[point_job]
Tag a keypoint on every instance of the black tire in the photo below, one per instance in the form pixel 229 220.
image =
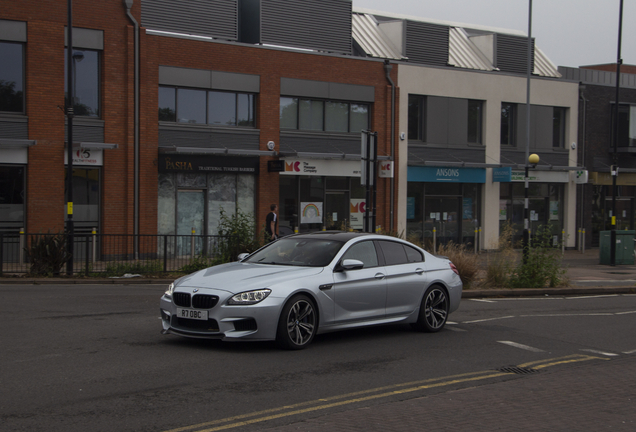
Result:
pixel 433 310
pixel 297 324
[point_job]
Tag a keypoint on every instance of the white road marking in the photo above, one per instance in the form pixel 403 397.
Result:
pixel 518 345
pixel 630 352
pixel 487 319
pixel 568 315
pixel 456 329
pixel 591 297
pixel 451 322
pixel 483 300
pixel 600 352
pixel 625 313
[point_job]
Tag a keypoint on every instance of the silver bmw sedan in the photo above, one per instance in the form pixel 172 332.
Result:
pixel 306 284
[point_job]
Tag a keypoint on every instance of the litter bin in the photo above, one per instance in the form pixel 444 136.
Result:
pixel 624 247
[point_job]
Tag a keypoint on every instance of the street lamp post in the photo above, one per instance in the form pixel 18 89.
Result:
pixel 533 160
pixel 69 144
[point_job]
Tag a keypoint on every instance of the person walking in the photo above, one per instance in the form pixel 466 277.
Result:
pixel 271 223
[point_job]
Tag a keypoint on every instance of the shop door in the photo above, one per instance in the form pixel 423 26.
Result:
pixel 337 211
pixel 190 216
pixel 624 213
pixel 443 214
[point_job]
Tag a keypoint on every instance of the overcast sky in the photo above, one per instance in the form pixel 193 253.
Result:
pixel 570 32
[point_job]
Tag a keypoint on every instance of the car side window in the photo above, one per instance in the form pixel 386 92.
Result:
pixel 363 251
pixel 394 253
pixel 413 255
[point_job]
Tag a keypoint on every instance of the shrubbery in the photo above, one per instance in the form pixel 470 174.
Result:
pixel 47 253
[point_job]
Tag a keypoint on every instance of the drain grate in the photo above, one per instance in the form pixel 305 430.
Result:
pixel 517 370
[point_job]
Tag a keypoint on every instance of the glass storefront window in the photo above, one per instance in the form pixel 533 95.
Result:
pixel 12 77
pixel 12 193
pixel 245 110
pixel 359 117
pixel 86 80
pixel 85 197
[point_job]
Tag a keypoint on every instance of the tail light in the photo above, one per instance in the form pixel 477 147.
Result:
pixel 453 268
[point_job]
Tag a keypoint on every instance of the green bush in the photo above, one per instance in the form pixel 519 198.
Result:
pixel 501 264
pixel 236 236
pixel 47 254
pixel 543 265
pixel 466 262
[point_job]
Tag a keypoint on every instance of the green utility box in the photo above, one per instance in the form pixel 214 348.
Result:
pixel 624 247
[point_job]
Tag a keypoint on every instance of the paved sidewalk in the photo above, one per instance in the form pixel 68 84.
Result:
pixel 595 396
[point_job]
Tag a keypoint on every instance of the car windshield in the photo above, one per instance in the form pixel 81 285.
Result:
pixel 297 252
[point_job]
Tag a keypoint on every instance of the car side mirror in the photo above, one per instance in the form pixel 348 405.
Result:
pixel 242 256
pixel 351 264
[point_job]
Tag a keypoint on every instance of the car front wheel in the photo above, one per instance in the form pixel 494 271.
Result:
pixel 433 310
pixel 297 324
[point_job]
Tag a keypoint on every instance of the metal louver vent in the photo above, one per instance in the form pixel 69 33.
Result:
pixel 512 54
pixel 427 43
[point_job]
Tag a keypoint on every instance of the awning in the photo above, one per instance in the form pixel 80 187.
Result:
pixel 220 151
pixel 16 143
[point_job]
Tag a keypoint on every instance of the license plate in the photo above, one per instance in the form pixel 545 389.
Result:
pixel 192 314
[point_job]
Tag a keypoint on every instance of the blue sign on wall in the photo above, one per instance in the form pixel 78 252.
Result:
pixel 503 174
pixel 446 174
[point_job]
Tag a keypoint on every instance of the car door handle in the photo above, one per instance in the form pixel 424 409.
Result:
pixel 379 276
pixel 419 271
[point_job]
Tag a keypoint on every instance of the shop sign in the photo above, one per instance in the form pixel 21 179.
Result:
pixel 501 174
pixel 386 169
pixel 535 176
pixel 446 174
pixel 206 163
pixel 275 166
pixel 321 167
pixel 623 179
pixel 357 211
pixel 86 157
pixel 580 177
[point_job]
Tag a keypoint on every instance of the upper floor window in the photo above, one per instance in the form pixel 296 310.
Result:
pixel 12 77
pixel 558 127
pixel 475 109
pixel 196 106
pixel 319 115
pixel 417 118
pixel 86 82
pixel 508 123
pixel 626 125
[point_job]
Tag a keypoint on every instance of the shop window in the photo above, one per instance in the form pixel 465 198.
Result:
pixel 475 109
pixel 626 126
pixel 11 196
pixel 508 122
pixel 417 118
pixel 85 197
pixel 198 106
pixel 12 77
pixel 86 82
pixel 318 115
pixel 558 128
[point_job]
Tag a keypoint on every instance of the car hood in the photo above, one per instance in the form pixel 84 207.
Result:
pixel 238 277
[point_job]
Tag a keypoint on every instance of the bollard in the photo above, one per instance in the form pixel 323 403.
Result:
pixel 563 241
pixel 94 245
pixel 583 242
pixel 579 248
pixel 295 230
pixel 192 243
pixel 434 240
pixel 475 240
pixel 21 251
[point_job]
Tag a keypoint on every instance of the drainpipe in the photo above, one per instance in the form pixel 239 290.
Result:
pixel 582 144
pixel 387 69
pixel 129 5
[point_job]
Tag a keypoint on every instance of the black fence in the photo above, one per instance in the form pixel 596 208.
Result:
pixel 111 255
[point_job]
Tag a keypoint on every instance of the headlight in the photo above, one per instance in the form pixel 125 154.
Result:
pixel 170 290
pixel 249 297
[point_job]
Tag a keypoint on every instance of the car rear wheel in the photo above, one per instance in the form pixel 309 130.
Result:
pixel 297 324
pixel 433 310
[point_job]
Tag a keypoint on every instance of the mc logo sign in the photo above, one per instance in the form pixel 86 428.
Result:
pixel 293 166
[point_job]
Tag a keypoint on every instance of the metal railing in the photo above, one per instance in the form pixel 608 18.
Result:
pixel 111 254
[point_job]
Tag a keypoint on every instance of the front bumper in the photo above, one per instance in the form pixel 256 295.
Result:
pixel 252 322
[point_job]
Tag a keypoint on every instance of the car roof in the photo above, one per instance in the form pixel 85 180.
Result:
pixel 342 236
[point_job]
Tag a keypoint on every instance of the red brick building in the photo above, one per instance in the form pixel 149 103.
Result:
pixel 224 96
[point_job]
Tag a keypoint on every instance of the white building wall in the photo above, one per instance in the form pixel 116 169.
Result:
pixel 493 88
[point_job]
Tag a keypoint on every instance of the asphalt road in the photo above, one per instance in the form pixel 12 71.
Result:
pixel 77 358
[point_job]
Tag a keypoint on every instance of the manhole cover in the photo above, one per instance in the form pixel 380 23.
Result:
pixel 517 370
